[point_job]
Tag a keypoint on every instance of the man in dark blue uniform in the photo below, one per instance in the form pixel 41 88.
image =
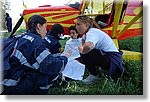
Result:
pixel 8 20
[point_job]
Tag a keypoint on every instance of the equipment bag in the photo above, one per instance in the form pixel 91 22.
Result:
pixel 7 50
pixel 8 45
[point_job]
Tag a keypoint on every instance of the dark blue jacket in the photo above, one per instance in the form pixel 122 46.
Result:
pixel 52 44
pixel 33 67
pixel 9 23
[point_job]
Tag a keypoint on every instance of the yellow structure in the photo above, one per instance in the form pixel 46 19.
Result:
pixel 130 55
pixel 127 55
pixel 131 23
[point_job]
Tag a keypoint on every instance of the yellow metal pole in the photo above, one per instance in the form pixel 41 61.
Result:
pixel 85 4
pixel 118 9
pixel 103 6
pixel 129 24
pixel 83 7
pixel 92 7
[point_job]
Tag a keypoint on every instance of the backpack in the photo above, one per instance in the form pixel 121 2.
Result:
pixel 7 50
pixel 8 46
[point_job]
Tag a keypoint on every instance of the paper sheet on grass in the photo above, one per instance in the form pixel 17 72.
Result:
pixel 74 70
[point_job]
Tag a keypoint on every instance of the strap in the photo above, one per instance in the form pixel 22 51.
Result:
pixel 16 27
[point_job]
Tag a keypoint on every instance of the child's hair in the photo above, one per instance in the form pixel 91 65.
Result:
pixel 74 28
pixel 33 21
pixel 91 22
pixel 55 30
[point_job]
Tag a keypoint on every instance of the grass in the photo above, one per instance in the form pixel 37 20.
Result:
pixel 19 31
pixel 130 84
pixel 132 44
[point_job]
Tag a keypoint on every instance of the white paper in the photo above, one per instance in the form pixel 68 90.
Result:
pixel 73 44
pixel 74 70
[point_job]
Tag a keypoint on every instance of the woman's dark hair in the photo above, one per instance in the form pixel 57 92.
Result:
pixel 33 21
pixel 55 30
pixel 74 28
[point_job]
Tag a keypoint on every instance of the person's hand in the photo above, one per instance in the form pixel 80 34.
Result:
pixel 68 53
pixel 83 41
pixel 80 48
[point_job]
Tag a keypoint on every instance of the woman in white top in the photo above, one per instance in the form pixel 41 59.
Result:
pixel 74 69
pixel 98 49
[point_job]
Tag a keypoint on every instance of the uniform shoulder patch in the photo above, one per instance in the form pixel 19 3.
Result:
pixel 30 38
pixel 46 38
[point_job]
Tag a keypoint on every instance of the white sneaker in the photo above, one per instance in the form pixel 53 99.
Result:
pixel 90 79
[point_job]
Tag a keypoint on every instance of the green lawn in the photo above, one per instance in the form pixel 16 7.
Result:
pixel 131 84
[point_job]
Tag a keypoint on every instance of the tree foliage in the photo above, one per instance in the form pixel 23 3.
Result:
pixel 5 7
